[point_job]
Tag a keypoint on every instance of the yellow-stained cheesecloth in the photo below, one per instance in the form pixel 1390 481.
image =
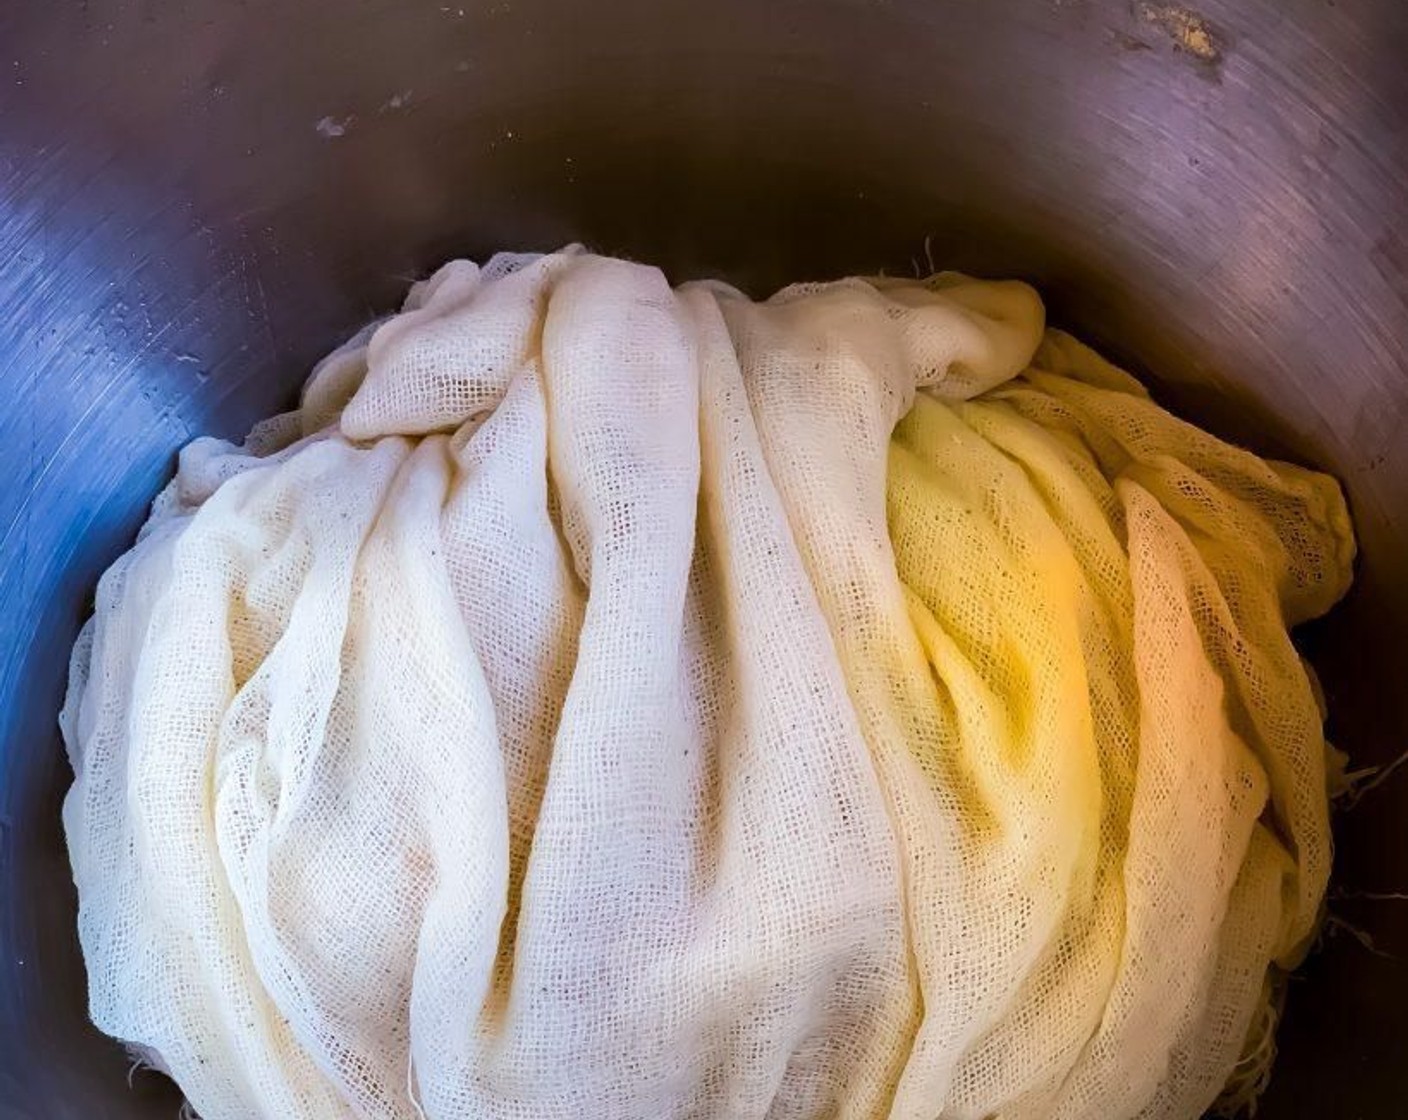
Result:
pixel 602 701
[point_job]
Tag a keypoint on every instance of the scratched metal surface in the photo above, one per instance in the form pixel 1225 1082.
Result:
pixel 198 198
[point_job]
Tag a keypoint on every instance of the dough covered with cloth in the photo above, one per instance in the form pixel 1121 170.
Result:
pixel 604 700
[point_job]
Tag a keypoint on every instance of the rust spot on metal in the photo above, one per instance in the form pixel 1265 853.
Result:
pixel 1189 31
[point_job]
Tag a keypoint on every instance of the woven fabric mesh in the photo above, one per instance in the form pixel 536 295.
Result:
pixel 599 699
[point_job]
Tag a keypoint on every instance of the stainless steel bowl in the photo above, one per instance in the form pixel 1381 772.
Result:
pixel 199 198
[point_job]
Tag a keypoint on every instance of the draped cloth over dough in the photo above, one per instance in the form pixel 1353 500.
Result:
pixel 599 700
